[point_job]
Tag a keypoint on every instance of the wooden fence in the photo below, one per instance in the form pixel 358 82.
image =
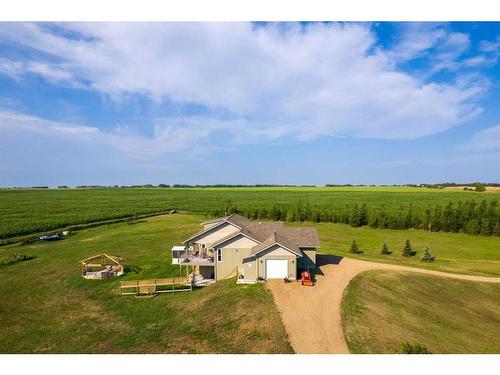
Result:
pixel 155 286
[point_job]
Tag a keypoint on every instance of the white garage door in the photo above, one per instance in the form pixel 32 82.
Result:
pixel 276 268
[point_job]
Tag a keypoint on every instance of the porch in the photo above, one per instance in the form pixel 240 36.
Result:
pixel 192 255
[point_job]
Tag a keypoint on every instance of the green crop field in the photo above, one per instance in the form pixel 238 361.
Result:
pixel 47 307
pixel 382 310
pixel 25 211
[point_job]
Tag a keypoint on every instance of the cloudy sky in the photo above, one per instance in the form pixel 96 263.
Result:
pixel 204 103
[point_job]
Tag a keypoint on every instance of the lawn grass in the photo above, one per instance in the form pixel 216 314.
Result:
pixel 47 307
pixel 26 211
pixel 381 310
pixel 454 252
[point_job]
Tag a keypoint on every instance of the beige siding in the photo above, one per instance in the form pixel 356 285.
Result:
pixel 215 234
pixel 209 225
pixel 233 252
pixel 238 242
pixel 308 260
pixel 231 258
pixel 250 270
pixel 277 252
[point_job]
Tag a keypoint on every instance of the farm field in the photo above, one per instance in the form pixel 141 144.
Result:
pixel 47 307
pixel 26 211
pixel 382 310
pixel 454 252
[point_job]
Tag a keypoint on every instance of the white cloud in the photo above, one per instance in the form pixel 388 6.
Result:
pixel 486 139
pixel 193 135
pixel 490 46
pixel 431 41
pixel 277 83
pixel 169 136
pixel 17 69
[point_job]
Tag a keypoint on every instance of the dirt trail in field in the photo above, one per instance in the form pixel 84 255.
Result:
pixel 311 315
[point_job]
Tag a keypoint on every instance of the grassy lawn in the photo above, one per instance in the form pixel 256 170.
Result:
pixel 455 252
pixel 381 310
pixel 47 307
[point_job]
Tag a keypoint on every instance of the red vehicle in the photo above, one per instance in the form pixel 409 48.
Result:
pixel 306 278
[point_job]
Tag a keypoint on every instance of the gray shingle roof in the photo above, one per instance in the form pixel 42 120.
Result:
pixel 292 238
pixel 268 233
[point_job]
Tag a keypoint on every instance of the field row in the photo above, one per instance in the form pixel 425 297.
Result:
pixel 32 211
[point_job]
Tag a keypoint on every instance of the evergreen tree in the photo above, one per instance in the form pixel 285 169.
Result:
pixel 485 228
pixel 363 215
pixel 273 212
pixel 436 218
pixel 316 215
pixel 354 248
pixel 355 220
pixel 427 255
pixel 400 219
pixel 410 218
pixel 428 219
pixel 385 249
pixel 472 227
pixel 373 221
pixel 496 231
pixel 447 218
pixel 382 218
pixel 459 217
pixel 407 250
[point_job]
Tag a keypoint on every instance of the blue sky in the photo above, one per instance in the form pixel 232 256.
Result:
pixel 205 103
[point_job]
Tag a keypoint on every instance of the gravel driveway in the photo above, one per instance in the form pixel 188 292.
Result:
pixel 311 315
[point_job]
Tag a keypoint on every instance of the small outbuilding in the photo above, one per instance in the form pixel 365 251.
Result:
pixel 101 266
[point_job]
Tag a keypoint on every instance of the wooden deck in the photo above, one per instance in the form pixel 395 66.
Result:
pixel 155 286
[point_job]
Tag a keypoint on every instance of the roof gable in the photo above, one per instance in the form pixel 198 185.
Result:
pixel 231 237
pixel 212 228
pixel 265 233
pixel 276 239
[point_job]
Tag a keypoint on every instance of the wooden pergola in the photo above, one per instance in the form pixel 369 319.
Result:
pixel 101 266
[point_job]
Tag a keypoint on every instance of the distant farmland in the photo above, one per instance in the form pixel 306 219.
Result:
pixel 25 211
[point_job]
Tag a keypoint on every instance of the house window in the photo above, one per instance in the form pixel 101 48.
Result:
pixel 219 255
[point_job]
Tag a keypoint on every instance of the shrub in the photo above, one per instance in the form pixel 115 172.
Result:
pixel 407 250
pixel 427 255
pixel 15 258
pixel 407 348
pixel 354 248
pixel 385 250
pixel 480 187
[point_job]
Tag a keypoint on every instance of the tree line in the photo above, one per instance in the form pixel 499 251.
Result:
pixel 469 216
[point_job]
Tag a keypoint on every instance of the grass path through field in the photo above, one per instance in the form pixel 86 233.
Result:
pixel 312 315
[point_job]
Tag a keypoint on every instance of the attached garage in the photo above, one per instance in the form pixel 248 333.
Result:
pixel 276 268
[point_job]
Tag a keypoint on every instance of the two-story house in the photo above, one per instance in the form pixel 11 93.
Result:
pixel 251 249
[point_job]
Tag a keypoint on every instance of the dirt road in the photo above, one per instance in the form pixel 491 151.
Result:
pixel 311 315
